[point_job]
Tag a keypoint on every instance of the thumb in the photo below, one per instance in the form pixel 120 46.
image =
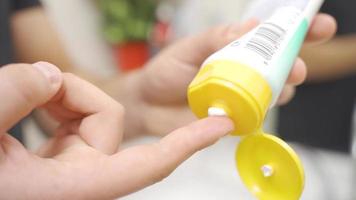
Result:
pixel 24 87
pixel 198 47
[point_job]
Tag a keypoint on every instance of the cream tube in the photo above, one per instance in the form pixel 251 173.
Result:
pixel 243 80
pixel 254 68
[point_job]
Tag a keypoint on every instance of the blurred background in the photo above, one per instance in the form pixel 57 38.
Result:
pixel 115 36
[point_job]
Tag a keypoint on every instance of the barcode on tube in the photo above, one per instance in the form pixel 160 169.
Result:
pixel 266 40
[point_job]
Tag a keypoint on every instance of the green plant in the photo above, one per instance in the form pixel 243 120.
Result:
pixel 127 20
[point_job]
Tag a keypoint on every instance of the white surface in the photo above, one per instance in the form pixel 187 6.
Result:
pixel 354 132
pixel 78 23
pixel 211 175
pixel 195 15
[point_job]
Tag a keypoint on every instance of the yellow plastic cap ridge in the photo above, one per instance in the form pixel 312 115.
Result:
pixel 236 88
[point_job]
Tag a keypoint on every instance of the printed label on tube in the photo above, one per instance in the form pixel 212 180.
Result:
pixel 263 47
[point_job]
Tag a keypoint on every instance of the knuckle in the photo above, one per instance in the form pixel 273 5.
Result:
pixel 165 168
pixel 69 75
pixel 117 113
pixel 118 109
pixel 161 175
pixel 159 162
pixel 224 30
pixel 220 28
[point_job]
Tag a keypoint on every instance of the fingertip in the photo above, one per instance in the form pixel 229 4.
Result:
pixel 250 23
pixel 286 95
pixel 239 29
pixel 198 135
pixel 219 124
pixel 323 28
pixel 206 132
pixel 26 87
pixel 298 74
pixel 53 75
pixel 50 72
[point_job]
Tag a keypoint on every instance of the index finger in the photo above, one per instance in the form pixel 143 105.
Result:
pixel 141 166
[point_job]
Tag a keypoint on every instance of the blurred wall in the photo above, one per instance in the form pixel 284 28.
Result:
pixel 195 15
pixel 78 24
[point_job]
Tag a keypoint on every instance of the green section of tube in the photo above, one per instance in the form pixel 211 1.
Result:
pixel 287 59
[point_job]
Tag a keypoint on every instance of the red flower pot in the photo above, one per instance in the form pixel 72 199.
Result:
pixel 131 55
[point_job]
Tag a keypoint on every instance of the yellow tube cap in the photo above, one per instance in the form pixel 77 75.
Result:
pixel 269 168
pixel 237 89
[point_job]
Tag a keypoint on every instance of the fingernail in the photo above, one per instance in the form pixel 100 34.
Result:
pixel 50 71
pixel 225 125
pixel 230 127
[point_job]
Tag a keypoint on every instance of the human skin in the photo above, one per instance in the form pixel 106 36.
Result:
pixel 331 61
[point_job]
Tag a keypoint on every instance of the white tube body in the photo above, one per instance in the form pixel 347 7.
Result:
pixel 272 47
